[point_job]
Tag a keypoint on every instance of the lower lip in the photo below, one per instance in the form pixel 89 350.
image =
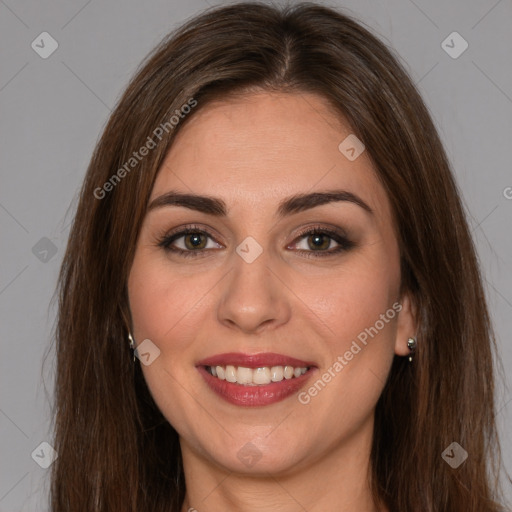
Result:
pixel 267 394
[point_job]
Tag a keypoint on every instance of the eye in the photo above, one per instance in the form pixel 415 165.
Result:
pixel 190 241
pixel 193 241
pixel 318 242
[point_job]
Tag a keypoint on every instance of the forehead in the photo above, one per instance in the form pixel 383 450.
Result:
pixel 257 149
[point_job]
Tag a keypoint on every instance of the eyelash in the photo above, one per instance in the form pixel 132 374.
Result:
pixel 343 243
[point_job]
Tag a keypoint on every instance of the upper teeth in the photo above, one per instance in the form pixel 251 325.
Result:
pixel 253 377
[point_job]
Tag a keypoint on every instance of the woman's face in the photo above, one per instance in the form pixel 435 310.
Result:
pixel 315 282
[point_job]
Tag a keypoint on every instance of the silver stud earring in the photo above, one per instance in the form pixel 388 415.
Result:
pixel 132 345
pixel 411 344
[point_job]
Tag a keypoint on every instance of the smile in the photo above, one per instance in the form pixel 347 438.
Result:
pixel 255 379
pixel 257 376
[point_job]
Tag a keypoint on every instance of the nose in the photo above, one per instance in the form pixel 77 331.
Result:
pixel 254 297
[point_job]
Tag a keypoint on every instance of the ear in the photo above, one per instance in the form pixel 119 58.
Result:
pixel 406 325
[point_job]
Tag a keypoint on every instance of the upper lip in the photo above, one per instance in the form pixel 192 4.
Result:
pixel 254 360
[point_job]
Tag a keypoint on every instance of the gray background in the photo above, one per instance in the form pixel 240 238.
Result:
pixel 52 112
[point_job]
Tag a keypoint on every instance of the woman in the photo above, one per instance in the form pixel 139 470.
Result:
pixel 270 221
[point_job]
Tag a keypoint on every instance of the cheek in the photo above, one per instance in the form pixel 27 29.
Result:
pixel 361 312
pixel 160 300
pixel 360 309
pixel 353 298
pixel 164 309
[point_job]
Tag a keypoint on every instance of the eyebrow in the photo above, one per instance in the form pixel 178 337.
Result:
pixel 294 204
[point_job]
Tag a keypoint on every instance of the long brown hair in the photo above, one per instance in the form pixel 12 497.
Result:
pixel 116 451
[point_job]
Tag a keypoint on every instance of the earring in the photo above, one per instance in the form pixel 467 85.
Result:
pixel 132 345
pixel 411 344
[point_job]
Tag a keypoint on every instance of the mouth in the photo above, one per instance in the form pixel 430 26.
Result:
pixel 255 380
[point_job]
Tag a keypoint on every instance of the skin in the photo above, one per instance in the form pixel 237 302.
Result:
pixel 253 152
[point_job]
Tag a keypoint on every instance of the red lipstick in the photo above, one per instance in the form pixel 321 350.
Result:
pixel 254 360
pixel 255 395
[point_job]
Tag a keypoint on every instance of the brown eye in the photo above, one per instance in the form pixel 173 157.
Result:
pixel 319 241
pixel 189 242
pixel 316 242
pixel 195 241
